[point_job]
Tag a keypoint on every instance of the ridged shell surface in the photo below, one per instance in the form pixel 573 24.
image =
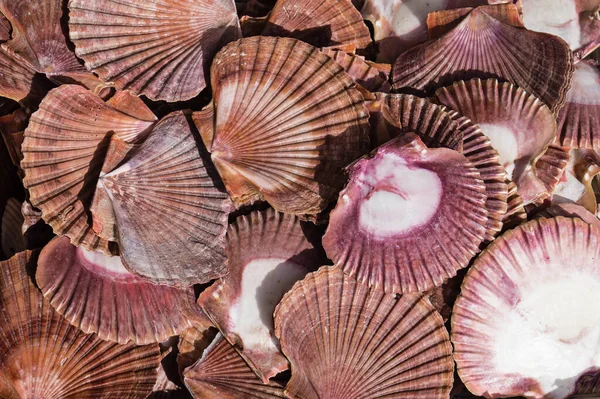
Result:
pixel 11 239
pixel 371 76
pixel 347 341
pixel 288 119
pixel 17 81
pixel 158 48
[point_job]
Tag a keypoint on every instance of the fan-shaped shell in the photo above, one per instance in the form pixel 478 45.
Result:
pixel 551 166
pixel 267 252
pixel 345 340
pixel 77 283
pixel 515 212
pixel 19 81
pixel 287 120
pixel 519 126
pixel 483 47
pixel 409 218
pixel 222 374
pixel 64 149
pixel 11 238
pixel 43 356
pixel 169 187
pixel 371 76
pixel 158 48
pixel 192 343
pixel 579 119
pixel 322 23
pixel 532 296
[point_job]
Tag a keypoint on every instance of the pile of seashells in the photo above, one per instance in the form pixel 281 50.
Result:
pixel 312 199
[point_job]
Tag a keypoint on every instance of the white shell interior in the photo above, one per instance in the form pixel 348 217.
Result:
pixel 569 190
pixel 504 141
pixel 585 86
pixel 396 197
pixel 97 261
pixel 557 17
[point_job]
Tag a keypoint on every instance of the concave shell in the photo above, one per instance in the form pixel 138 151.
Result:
pixel 401 24
pixel 551 166
pixel 222 374
pixel 18 80
pixel 515 212
pixel 570 211
pixel 267 252
pixel 38 38
pixel 12 128
pixel 575 21
pixel 43 356
pixel 287 120
pixel 530 298
pixel 168 186
pixel 192 343
pixel 409 218
pixel 576 183
pixel 5 28
pixel 96 294
pixel 345 340
pixel 373 77
pixel 321 23
pixel 64 148
pixel 579 119
pixel 519 126
pixel 159 48
pixel 483 47
pixel 12 239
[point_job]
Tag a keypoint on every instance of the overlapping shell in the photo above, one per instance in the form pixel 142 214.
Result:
pixel 12 239
pixel 19 81
pixel 345 340
pixel 267 252
pixel 168 186
pixel 373 77
pixel 64 149
pixel 158 48
pixel 409 218
pixel 287 120
pixel 480 46
pixel 42 355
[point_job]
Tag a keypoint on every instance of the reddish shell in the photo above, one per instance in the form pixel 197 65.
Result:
pixel 373 77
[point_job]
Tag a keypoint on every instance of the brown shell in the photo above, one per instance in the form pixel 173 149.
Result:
pixel 287 120
pixel 192 343
pixel 579 119
pixel 169 187
pixel 285 246
pixel 347 341
pixel 18 80
pixel 418 257
pixel 12 239
pixel 482 47
pixel 222 374
pixel 43 356
pixel 515 213
pixel 63 150
pixel 77 283
pixel 162 50
pixel 321 23
pixel 12 128
pixel 5 28
pixel 373 77
pixel 514 111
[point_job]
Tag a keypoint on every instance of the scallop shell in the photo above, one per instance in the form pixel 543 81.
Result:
pixel 321 23
pixel 43 356
pixel 38 38
pixel 169 187
pixel 519 126
pixel 366 73
pixel 482 47
pixel 19 81
pixel 192 343
pixel 579 119
pixel 390 247
pixel 264 249
pixel 345 340
pixel 531 296
pixel 576 183
pixel 5 28
pixel 570 211
pixel 159 48
pixel 551 166
pixel 63 153
pixel 287 120
pixel 77 282
pixel 222 374
pixel 11 238
pixel 31 216
pixel 12 128
pixel 515 212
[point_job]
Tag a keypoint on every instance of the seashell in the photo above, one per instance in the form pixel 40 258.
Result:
pixel 551 166
pixel 11 238
pixel 519 126
pixel 587 386
pixel 287 120
pixel 76 283
pixel 5 28
pixel 579 119
pixel 192 343
pixel 31 215
pixel 373 77
pixel 570 211
pixel 168 185
pixel 515 212
pixel 11 130
pixel 38 38
pixel 409 218
pixel 321 23
pixel 63 150
pixel 575 21
pixel 43 356
pixel 483 47
pixel 18 80
pixel 576 182
pixel 267 252
pixel 222 374
pixel 161 49
pixel 345 340
pixel 401 24
pixel 531 296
